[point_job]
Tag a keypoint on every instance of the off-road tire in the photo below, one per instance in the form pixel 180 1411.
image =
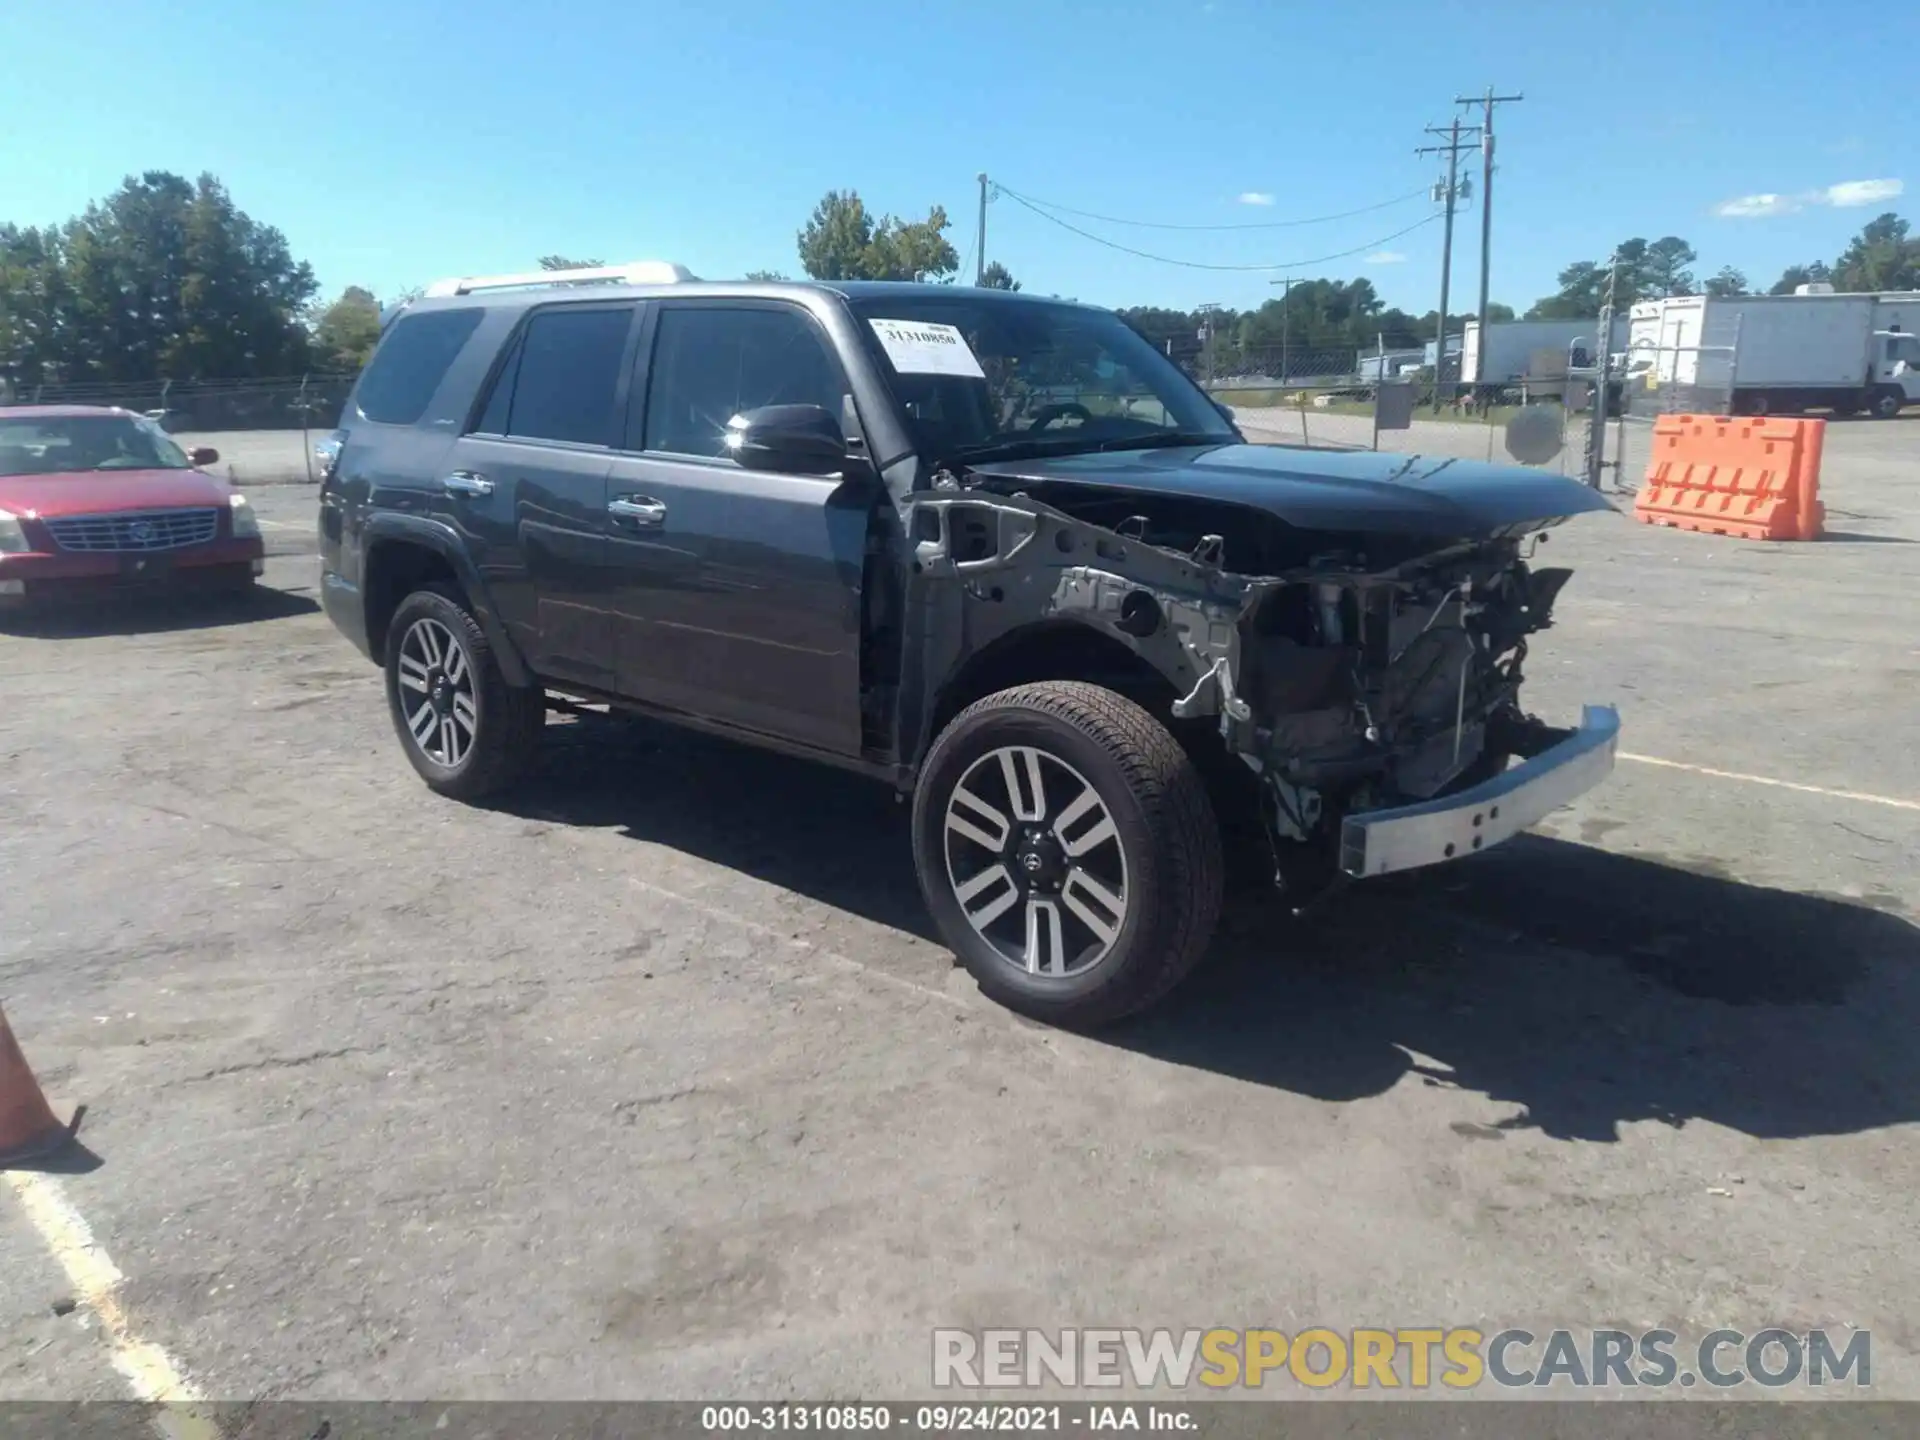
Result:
pixel 509 718
pixel 1167 831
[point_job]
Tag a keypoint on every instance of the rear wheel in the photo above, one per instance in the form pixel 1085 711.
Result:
pixel 465 729
pixel 1068 852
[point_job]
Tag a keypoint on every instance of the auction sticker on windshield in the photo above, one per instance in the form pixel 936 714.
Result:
pixel 920 347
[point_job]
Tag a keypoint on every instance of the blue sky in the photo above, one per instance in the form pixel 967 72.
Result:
pixel 400 141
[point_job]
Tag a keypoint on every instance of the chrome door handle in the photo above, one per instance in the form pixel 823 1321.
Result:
pixel 638 509
pixel 465 482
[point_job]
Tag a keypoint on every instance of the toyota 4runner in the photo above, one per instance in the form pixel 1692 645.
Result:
pixel 994 550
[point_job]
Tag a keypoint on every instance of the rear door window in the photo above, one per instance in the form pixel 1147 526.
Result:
pixel 562 383
pixel 410 364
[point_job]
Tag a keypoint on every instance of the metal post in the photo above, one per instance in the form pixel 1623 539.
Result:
pixel 1733 360
pixel 980 265
pixel 1603 345
pixel 1379 382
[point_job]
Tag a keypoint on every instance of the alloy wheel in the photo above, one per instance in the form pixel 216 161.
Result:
pixel 437 699
pixel 1035 861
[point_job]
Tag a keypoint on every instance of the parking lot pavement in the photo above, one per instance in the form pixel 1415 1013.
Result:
pixel 653 1081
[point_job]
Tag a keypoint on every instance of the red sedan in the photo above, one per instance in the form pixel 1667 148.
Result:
pixel 95 501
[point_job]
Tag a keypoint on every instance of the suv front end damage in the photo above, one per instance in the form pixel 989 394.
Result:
pixel 1366 682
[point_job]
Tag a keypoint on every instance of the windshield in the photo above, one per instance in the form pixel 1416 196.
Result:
pixel 1052 378
pixel 65 444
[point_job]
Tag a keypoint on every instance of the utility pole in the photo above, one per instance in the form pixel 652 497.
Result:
pixel 980 265
pixel 1207 327
pixel 1286 318
pixel 1451 185
pixel 1486 102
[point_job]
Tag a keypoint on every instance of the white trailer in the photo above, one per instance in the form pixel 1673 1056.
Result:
pixel 1774 354
pixel 1505 354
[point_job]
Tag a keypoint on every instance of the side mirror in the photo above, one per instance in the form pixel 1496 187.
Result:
pixel 202 456
pixel 800 439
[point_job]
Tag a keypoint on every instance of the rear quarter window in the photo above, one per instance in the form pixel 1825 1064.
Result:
pixel 410 364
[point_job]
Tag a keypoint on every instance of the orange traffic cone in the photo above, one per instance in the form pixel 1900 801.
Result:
pixel 29 1130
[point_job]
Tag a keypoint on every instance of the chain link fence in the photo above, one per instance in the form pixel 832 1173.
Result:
pixel 261 427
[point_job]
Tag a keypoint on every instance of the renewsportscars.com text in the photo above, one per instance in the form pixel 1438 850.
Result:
pixel 1397 1359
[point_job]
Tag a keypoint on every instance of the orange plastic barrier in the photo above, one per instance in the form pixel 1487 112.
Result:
pixel 1756 478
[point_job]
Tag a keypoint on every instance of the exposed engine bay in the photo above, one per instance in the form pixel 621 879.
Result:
pixel 1345 671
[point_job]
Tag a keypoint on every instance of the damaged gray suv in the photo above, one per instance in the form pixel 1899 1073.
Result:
pixel 993 550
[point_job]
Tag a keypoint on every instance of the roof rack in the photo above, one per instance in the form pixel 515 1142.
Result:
pixel 634 272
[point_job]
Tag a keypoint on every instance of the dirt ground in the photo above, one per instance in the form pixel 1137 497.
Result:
pixel 653 1081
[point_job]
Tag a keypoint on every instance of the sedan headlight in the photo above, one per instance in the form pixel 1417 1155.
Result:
pixel 245 525
pixel 13 540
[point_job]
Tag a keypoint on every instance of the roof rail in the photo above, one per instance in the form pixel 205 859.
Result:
pixel 634 272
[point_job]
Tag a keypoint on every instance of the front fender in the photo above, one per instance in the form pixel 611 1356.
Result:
pixel 385 529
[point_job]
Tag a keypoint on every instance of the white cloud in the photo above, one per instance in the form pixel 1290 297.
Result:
pixel 1846 194
pixel 1386 257
pixel 1255 197
pixel 1751 207
pixel 1863 192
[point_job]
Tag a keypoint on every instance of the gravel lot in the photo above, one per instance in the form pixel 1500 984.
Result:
pixel 654 1082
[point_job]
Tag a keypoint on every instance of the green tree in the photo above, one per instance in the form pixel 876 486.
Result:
pixel 1726 283
pixel 171 279
pixel 1883 256
pixel 765 276
pixel 997 277
pixel 346 331
pixel 1665 270
pixel 842 240
pixel 1794 276
pixel 561 262
pixel 1173 332
pixel 1641 271
pixel 35 307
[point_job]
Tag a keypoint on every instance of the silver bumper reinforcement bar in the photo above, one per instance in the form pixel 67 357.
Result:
pixel 1379 842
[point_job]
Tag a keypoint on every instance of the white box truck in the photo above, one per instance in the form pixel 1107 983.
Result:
pixel 1776 354
pixel 1505 355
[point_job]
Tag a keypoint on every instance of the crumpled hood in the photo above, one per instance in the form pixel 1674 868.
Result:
pixel 1342 490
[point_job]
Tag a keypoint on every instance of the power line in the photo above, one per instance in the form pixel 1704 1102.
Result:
pixel 1019 199
pixel 1030 201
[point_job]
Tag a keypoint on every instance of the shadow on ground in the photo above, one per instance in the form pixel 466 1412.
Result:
pixel 1585 987
pixel 155 615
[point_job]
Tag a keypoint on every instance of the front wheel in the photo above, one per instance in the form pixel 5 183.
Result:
pixel 465 729
pixel 1887 404
pixel 1067 849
